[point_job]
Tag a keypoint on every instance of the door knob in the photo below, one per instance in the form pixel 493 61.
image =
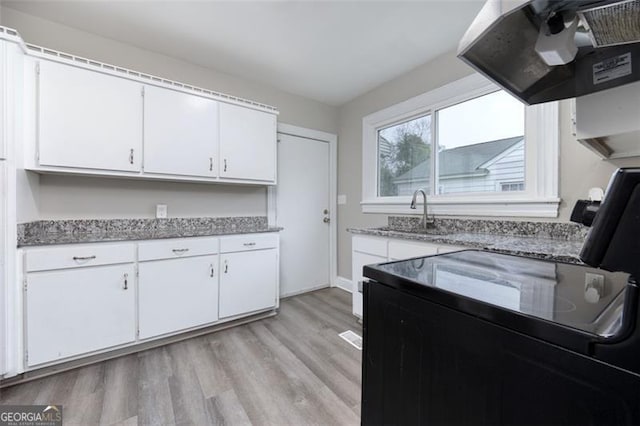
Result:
pixel 326 220
pixel 325 211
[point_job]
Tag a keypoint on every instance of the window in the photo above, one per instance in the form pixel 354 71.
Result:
pixel 470 145
pixel 480 142
pixel 404 156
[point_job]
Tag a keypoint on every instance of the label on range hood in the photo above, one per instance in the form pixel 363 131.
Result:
pixel 612 68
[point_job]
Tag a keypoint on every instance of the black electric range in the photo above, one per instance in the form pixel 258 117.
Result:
pixel 570 305
pixel 475 337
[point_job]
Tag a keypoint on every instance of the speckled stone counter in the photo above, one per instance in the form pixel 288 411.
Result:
pixel 544 240
pixel 48 232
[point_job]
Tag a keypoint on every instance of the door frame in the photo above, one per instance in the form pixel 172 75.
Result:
pixel 272 191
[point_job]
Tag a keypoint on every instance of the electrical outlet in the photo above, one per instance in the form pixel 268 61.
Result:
pixel 595 280
pixel 161 211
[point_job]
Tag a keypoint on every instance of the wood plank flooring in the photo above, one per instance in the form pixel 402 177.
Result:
pixel 291 369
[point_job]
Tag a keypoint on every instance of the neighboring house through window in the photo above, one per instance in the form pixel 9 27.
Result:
pixel 479 167
pixel 485 162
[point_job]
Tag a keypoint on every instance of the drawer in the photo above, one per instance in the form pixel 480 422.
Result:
pixel 370 245
pixel 78 256
pixel 248 242
pixel 405 250
pixel 177 247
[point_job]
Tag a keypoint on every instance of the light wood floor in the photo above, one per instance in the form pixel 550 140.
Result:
pixel 289 369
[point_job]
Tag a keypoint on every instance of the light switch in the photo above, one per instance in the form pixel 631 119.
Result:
pixel 342 199
pixel 161 211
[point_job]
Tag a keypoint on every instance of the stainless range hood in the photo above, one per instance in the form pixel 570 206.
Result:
pixel 546 50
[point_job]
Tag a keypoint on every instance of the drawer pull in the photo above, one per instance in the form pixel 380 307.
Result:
pixel 211 271
pixel 81 258
pixel 249 244
pixel 131 156
pixel 225 164
pixel 180 251
pixel 210 164
pixel 226 267
pixel 126 281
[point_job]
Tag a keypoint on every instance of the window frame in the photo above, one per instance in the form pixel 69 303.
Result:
pixel 540 197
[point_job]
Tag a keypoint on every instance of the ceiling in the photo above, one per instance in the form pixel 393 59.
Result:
pixel 329 51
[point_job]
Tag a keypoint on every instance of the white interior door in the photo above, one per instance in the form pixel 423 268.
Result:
pixel 303 211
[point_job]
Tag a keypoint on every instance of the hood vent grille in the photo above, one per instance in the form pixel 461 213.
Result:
pixel 614 24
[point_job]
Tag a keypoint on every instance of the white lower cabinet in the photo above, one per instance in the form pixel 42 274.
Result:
pixel 368 250
pixel 176 294
pixel 359 260
pixel 85 298
pixel 249 274
pixel 80 310
pixel 248 281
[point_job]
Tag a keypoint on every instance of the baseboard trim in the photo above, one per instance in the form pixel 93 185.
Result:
pixel 306 290
pixel 344 284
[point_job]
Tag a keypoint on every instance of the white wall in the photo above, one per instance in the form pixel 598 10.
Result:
pixel 92 197
pixel 580 169
pixel 55 197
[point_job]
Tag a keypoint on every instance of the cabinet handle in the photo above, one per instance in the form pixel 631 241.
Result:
pixel 249 244
pixel 79 258
pixel 131 156
pixel 126 281
pixel 226 267
pixel 225 164
pixel 210 164
pixel 182 250
pixel 211 271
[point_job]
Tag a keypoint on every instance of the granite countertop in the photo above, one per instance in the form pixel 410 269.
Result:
pixel 51 232
pixel 543 240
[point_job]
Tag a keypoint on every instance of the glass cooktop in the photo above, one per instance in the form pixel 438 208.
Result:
pixel 577 296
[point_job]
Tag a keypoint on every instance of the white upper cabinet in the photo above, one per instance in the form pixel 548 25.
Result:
pixel 110 123
pixel 180 133
pixel 87 119
pixel 247 144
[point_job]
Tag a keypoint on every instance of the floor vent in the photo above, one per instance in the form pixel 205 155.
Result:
pixel 352 338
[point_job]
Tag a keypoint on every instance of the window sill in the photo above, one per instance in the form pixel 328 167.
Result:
pixel 487 206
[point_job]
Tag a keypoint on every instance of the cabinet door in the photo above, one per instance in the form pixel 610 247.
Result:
pixel 358 260
pixel 180 133
pixel 248 281
pixel 87 119
pixel 247 143
pixel 177 294
pixel 76 311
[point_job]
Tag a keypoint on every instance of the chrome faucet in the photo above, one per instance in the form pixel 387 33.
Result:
pixel 426 220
